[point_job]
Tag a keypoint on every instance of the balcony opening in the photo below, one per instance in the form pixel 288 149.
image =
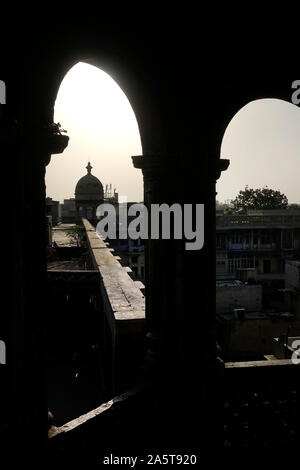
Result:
pixel 95 167
pixel 258 283
pixel 257 235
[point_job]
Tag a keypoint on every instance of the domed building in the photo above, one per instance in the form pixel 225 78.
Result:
pixel 88 195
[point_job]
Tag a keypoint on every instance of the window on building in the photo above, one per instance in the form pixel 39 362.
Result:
pixel 267 266
pixel 221 242
pixel 265 238
pixel 247 237
pixel 287 239
pixel 236 238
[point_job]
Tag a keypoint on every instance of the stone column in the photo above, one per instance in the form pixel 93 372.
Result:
pixel 180 298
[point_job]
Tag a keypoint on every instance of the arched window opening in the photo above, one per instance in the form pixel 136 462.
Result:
pixel 95 167
pixel 258 231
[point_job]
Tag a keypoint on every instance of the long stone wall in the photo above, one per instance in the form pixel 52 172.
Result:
pixel 123 306
pixel 230 297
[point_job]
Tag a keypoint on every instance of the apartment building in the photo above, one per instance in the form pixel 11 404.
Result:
pixel 255 246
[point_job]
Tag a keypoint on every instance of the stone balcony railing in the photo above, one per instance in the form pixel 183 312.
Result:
pixel 261 405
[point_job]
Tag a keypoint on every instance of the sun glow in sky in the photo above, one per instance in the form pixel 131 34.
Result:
pixel 102 128
pixel 262 141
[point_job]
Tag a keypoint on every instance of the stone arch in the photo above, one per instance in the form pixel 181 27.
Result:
pixel 234 95
pixel 246 259
pixel 149 80
pixel 284 107
pixel 139 99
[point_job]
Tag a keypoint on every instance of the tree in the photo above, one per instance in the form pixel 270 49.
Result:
pixel 293 206
pixel 76 234
pixel 261 198
pixel 222 205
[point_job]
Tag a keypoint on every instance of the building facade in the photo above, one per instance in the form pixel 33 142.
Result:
pixel 52 209
pixel 131 252
pixel 68 211
pixel 257 244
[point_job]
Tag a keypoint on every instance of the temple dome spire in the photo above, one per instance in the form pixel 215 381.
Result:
pixel 89 168
pixel 89 188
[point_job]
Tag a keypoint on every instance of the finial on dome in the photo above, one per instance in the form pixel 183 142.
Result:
pixel 89 168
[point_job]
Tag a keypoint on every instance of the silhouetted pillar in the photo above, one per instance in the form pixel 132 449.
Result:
pixel 180 301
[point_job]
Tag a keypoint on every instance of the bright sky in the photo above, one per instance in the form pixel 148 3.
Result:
pixel 262 141
pixel 102 128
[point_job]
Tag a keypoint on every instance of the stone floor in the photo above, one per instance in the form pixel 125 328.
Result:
pixel 75 385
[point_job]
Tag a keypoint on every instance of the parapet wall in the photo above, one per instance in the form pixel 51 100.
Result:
pixel 125 302
pixel 123 307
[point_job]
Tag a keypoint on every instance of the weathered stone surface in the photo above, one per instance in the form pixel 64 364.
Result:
pixel 123 298
pixel 75 423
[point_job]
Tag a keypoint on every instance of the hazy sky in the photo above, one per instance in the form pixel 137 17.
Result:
pixel 262 141
pixel 103 130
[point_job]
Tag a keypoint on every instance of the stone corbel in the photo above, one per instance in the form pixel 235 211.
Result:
pixel 222 164
pixel 53 142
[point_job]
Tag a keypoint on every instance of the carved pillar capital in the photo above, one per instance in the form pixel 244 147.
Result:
pixel 154 166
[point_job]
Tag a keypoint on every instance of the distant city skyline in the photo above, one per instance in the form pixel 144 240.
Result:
pixel 262 141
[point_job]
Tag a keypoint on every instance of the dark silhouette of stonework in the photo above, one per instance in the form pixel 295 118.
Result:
pixel 181 384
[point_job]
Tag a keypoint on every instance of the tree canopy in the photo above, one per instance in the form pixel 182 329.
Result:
pixel 261 198
pixel 293 206
pixel 222 205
